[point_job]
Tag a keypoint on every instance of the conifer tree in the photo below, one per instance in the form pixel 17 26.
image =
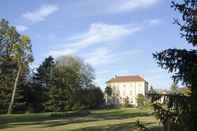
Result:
pixel 180 114
pixel 42 82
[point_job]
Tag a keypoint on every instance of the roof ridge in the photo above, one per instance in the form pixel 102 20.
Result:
pixel 126 78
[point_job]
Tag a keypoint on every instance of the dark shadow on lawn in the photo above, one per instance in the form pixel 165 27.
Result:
pixel 120 115
pixel 9 121
pixel 39 117
pixel 118 127
pixel 157 128
pixel 3 126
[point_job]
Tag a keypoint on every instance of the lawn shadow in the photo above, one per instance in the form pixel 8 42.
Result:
pixel 11 121
pixel 113 115
pixel 120 115
pixel 130 126
pixel 117 127
pixel 157 128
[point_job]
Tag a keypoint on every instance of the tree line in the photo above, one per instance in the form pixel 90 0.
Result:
pixel 61 84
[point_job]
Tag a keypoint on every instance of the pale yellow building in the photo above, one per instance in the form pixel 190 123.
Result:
pixel 127 88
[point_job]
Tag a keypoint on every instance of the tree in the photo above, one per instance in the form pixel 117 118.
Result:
pixel 20 104
pixel 91 97
pixel 22 54
pixel 15 54
pixel 181 111
pixel 108 92
pixel 6 82
pixel 72 77
pixel 152 90
pixel 43 80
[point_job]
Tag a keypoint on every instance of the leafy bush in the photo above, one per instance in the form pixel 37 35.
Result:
pixel 126 102
pixel 141 100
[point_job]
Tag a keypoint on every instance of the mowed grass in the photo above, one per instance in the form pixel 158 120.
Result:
pixel 123 119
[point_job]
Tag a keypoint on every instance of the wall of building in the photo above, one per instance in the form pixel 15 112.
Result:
pixel 127 90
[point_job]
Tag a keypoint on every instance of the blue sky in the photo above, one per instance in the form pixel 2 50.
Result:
pixel 114 36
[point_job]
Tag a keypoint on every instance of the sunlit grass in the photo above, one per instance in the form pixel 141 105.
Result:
pixel 123 119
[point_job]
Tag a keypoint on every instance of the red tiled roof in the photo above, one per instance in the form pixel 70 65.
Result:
pixel 126 79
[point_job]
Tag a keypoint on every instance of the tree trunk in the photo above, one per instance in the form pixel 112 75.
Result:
pixel 14 90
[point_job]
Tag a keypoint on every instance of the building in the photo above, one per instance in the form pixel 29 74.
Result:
pixel 126 89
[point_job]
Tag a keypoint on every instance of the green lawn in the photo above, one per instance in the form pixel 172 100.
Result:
pixel 97 120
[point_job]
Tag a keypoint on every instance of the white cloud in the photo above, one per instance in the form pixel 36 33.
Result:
pixel 98 33
pixel 99 56
pixel 105 56
pixel 41 13
pixel 129 5
pixel 21 28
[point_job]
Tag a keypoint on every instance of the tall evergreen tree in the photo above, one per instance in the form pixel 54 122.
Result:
pixel 42 82
pixel 181 111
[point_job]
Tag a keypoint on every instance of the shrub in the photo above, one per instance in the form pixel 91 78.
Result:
pixel 141 100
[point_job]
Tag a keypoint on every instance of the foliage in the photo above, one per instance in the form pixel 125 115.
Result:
pixel 108 91
pixel 108 95
pixel 140 100
pixel 126 102
pixel 6 82
pixel 66 83
pixel 180 111
pixel 174 112
pixel 152 90
pixel 92 98
pixel 40 86
pixel 63 94
pixel 173 88
pixel 15 55
pixel 185 91
pixel 73 78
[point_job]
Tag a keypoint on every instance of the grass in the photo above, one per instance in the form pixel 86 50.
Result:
pixel 123 119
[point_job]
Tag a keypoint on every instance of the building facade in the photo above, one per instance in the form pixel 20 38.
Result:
pixel 125 89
